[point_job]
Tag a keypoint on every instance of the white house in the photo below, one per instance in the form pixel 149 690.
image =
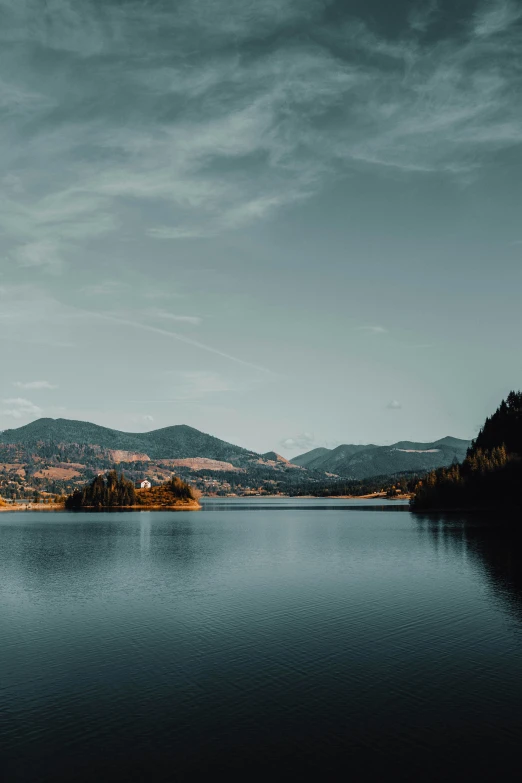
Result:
pixel 143 484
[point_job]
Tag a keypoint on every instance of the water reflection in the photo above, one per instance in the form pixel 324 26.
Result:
pixel 145 528
pixel 53 555
pixel 493 544
pixel 285 642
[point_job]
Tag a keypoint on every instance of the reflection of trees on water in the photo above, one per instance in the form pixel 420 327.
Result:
pixel 495 543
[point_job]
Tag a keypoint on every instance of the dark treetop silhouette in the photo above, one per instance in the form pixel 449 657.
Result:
pixel 490 475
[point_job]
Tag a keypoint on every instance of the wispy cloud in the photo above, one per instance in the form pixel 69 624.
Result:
pixel 140 326
pixel 305 441
pixel 194 320
pixel 394 405
pixel 25 309
pixel 423 14
pixel 234 136
pixel 496 17
pixel 19 408
pixel 34 385
pixel 45 253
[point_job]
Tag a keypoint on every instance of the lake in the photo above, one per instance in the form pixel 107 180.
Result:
pixel 260 637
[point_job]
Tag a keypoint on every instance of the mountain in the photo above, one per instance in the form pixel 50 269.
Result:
pixel 363 461
pixel 304 459
pixel 175 442
pixel 337 457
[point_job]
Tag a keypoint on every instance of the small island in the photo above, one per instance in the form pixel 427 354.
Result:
pixel 116 491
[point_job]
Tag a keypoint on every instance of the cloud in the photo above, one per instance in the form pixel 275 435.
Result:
pixel 25 309
pixel 195 320
pixel 19 408
pixel 34 385
pixel 148 418
pixel 494 18
pixel 422 15
pixel 372 329
pixel 39 254
pixel 304 441
pixel 166 333
pixel 394 405
pixel 220 113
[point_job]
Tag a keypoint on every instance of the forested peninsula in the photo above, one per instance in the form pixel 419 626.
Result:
pixel 490 475
pixel 116 491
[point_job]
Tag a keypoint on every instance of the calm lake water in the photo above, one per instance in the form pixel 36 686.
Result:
pixel 259 638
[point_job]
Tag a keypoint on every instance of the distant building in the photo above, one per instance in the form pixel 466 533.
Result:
pixel 143 484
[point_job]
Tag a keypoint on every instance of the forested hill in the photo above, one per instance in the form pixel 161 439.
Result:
pixel 361 461
pixel 304 460
pixel 491 473
pixel 175 442
pixel 60 455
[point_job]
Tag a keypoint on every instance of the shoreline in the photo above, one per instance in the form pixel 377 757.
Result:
pixel 377 496
pixel 59 508
pixel 30 507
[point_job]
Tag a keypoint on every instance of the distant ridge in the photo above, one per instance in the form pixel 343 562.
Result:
pixel 358 461
pixel 338 456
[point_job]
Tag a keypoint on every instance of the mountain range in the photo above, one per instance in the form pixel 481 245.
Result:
pixel 356 461
pixel 58 454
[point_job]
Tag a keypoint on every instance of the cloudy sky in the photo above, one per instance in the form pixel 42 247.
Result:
pixel 289 223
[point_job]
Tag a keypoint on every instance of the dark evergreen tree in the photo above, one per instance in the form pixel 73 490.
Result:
pixel 104 492
pixel 491 474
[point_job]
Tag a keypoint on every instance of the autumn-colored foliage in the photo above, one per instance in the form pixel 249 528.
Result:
pixel 115 491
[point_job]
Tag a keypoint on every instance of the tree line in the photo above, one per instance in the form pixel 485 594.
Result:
pixel 115 491
pixel 491 473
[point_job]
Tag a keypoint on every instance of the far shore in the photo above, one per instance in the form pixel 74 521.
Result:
pixel 194 505
pixel 374 496
pixel 32 507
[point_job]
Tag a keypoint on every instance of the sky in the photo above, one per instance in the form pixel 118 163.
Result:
pixel 289 224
